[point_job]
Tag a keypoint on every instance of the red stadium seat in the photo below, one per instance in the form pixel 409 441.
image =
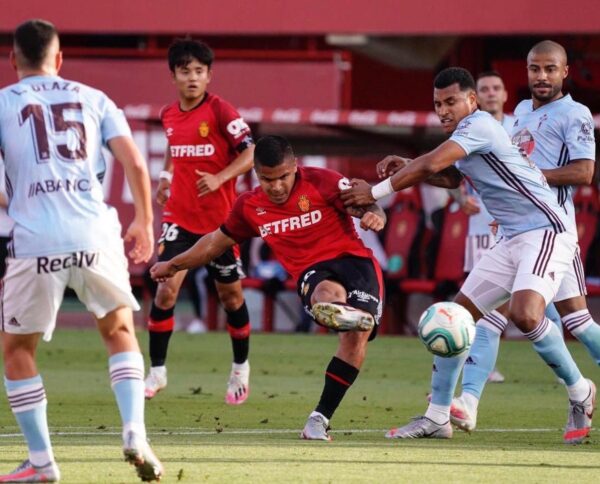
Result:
pixel 269 298
pixel 587 211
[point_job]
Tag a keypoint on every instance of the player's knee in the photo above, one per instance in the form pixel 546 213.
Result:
pixel 231 299
pixel 328 291
pixel 524 319
pixel 165 297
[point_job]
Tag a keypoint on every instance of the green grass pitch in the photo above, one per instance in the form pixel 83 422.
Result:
pixel 200 439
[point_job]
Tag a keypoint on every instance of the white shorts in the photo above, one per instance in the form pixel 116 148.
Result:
pixel 536 260
pixel 33 288
pixel 475 247
pixel 573 284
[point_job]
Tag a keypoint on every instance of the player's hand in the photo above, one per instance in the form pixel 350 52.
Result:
pixel 494 227
pixel 390 165
pixel 143 236
pixel 207 183
pixel 161 271
pixel 470 206
pixel 163 192
pixel 372 221
pixel 358 195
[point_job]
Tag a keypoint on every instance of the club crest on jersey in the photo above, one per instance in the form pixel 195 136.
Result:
pixel 203 129
pixel 524 141
pixel 304 203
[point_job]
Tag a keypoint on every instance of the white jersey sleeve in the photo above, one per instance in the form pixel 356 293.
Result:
pixel 113 121
pixel 579 134
pixel 473 135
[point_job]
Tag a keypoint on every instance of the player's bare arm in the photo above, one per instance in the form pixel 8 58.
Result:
pixel 164 181
pixel 371 218
pixel 390 165
pixel 447 178
pixel 420 169
pixel 140 230
pixel 201 253
pixel 577 172
pixel 208 182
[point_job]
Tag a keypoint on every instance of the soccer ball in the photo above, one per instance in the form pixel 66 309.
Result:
pixel 446 329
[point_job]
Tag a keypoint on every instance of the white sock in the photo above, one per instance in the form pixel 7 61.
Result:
pixel 579 391
pixel 159 370
pixel 440 414
pixel 471 402
pixel 241 367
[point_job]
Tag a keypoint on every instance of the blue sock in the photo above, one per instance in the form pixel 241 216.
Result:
pixel 127 380
pixel 28 402
pixel 552 315
pixel 483 353
pixel 584 328
pixel 444 378
pixel 550 345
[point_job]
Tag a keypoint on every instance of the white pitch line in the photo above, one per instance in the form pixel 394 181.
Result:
pixel 184 431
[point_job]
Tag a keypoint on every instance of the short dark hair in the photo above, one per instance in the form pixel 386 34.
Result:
pixel 490 73
pixel 272 151
pixel 454 75
pixel 33 38
pixel 184 50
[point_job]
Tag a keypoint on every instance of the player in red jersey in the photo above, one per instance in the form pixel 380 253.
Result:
pixel 209 145
pixel 299 215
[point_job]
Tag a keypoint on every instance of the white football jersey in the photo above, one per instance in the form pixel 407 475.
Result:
pixel 479 224
pixel 513 189
pixel 553 135
pixel 51 134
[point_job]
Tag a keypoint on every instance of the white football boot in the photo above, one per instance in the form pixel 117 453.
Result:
pixel 421 428
pixel 137 451
pixel 155 381
pixel 316 428
pixel 238 386
pixel 461 416
pixel 579 422
pixel 27 472
pixel 342 317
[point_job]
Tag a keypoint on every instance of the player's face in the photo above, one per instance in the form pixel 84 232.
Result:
pixel 452 105
pixel 192 80
pixel 491 94
pixel 277 182
pixel 545 74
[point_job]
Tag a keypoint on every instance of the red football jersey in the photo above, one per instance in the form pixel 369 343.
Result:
pixel 203 139
pixel 312 226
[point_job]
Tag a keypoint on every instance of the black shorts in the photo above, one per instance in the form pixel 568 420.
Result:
pixel 359 276
pixel 174 240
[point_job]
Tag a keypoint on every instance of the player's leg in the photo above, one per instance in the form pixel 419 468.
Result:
pixel 105 290
pixel 226 272
pixel 357 284
pixel 536 285
pixel 160 328
pixel 30 301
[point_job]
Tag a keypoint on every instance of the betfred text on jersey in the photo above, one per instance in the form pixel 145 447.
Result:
pixel 290 223
pixel 180 151
pixel 46 265
pixel 51 186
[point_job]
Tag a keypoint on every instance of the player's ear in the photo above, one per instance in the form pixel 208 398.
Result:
pixel 209 75
pixel 566 72
pixel 13 59
pixel 58 60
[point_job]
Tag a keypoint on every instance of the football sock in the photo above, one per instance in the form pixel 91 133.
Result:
pixel 238 326
pixel 160 329
pixel 339 376
pixel 127 380
pixel 585 329
pixel 444 378
pixel 552 315
pixel 483 353
pixel 550 345
pixel 28 402
pixel 439 414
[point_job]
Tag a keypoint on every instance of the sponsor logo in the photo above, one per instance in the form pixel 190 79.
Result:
pixel 53 186
pixel 362 296
pixel 290 223
pixel 304 288
pixel 260 211
pixel 13 322
pixel 303 203
pixel 46 265
pixel 542 120
pixel 470 361
pixel 180 151
pixel 224 270
pixel 169 132
pixel 586 132
pixel 551 275
pixel 237 127
pixel 203 129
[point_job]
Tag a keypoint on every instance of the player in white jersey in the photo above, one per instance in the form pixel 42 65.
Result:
pixel 557 134
pixel 51 134
pixel 526 267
